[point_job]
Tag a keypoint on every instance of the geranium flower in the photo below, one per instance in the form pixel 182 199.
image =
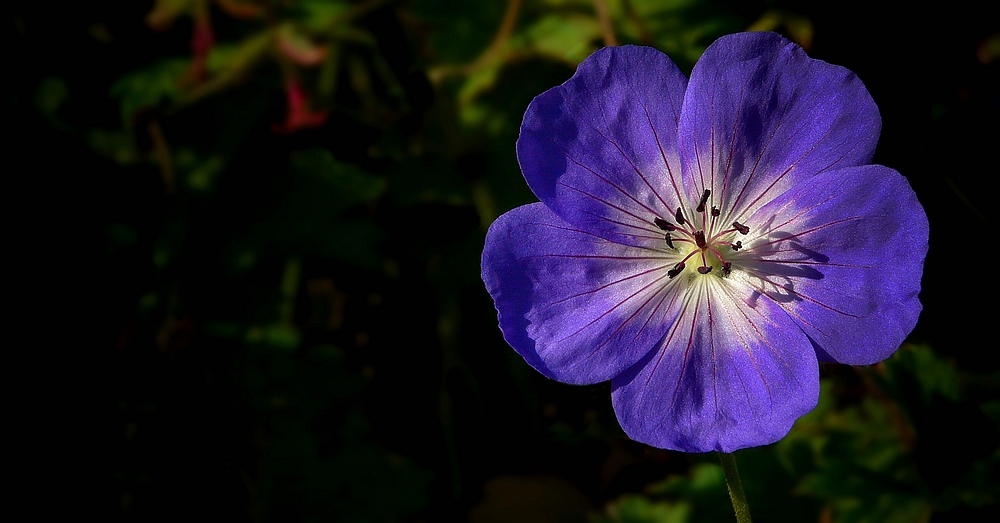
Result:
pixel 703 243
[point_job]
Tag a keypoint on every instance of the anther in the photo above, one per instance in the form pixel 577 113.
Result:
pixel 679 216
pixel 699 238
pixel 727 268
pixel 742 228
pixel 676 270
pixel 666 238
pixel 664 224
pixel 737 246
pixel 715 211
pixel 704 200
pixel 704 269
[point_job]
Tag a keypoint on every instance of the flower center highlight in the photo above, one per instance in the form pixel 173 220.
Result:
pixel 700 237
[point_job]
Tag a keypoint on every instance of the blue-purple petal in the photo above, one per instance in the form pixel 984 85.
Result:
pixel 732 373
pixel 578 308
pixel 601 149
pixel 760 116
pixel 844 257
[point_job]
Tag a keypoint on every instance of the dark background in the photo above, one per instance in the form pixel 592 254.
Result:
pixel 241 310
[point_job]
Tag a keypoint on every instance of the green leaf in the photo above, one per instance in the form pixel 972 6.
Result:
pixel 321 15
pixel 566 38
pixel 149 87
pixel 633 508
pixel 50 95
pixel 861 470
pixel 935 376
pixel 344 184
pixel 462 29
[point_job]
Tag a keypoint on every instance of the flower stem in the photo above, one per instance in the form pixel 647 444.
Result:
pixel 735 487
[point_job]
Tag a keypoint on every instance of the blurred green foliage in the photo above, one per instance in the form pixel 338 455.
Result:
pixel 295 198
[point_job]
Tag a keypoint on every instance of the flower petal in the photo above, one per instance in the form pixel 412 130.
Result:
pixel 844 258
pixel 578 308
pixel 601 149
pixel 760 116
pixel 730 374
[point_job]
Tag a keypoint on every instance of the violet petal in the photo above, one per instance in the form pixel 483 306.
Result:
pixel 600 150
pixel 578 308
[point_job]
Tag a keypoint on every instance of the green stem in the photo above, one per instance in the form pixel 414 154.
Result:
pixel 735 487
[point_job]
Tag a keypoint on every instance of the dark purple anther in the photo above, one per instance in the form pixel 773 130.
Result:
pixel 740 227
pixel 727 268
pixel 679 216
pixel 715 211
pixel 670 243
pixel 699 238
pixel 664 224
pixel 705 269
pixel 704 200
pixel 737 246
pixel 676 270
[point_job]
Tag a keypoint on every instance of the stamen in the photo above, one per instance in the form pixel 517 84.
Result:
pixel 679 216
pixel 715 211
pixel 727 267
pixel 670 243
pixel 742 228
pixel 705 269
pixel 704 200
pixel 738 245
pixel 664 224
pixel 699 238
pixel 676 270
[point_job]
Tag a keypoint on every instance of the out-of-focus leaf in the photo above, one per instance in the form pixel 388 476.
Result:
pixel 50 94
pixel 200 175
pixel 704 487
pixel 566 38
pixel 279 336
pixel 116 145
pixel 149 87
pixel 230 64
pixel 346 184
pixel 935 376
pixel 461 29
pixel 244 9
pixel 979 487
pixel 862 470
pixel 298 47
pixel 235 59
pixel 680 28
pixel 638 509
pixel 379 485
pixel 989 49
pixel 797 27
pixel 561 37
pixel 164 12
pixel 320 15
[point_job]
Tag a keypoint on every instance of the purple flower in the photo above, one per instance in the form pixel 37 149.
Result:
pixel 703 243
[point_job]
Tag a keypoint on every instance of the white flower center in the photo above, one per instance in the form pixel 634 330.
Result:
pixel 702 240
